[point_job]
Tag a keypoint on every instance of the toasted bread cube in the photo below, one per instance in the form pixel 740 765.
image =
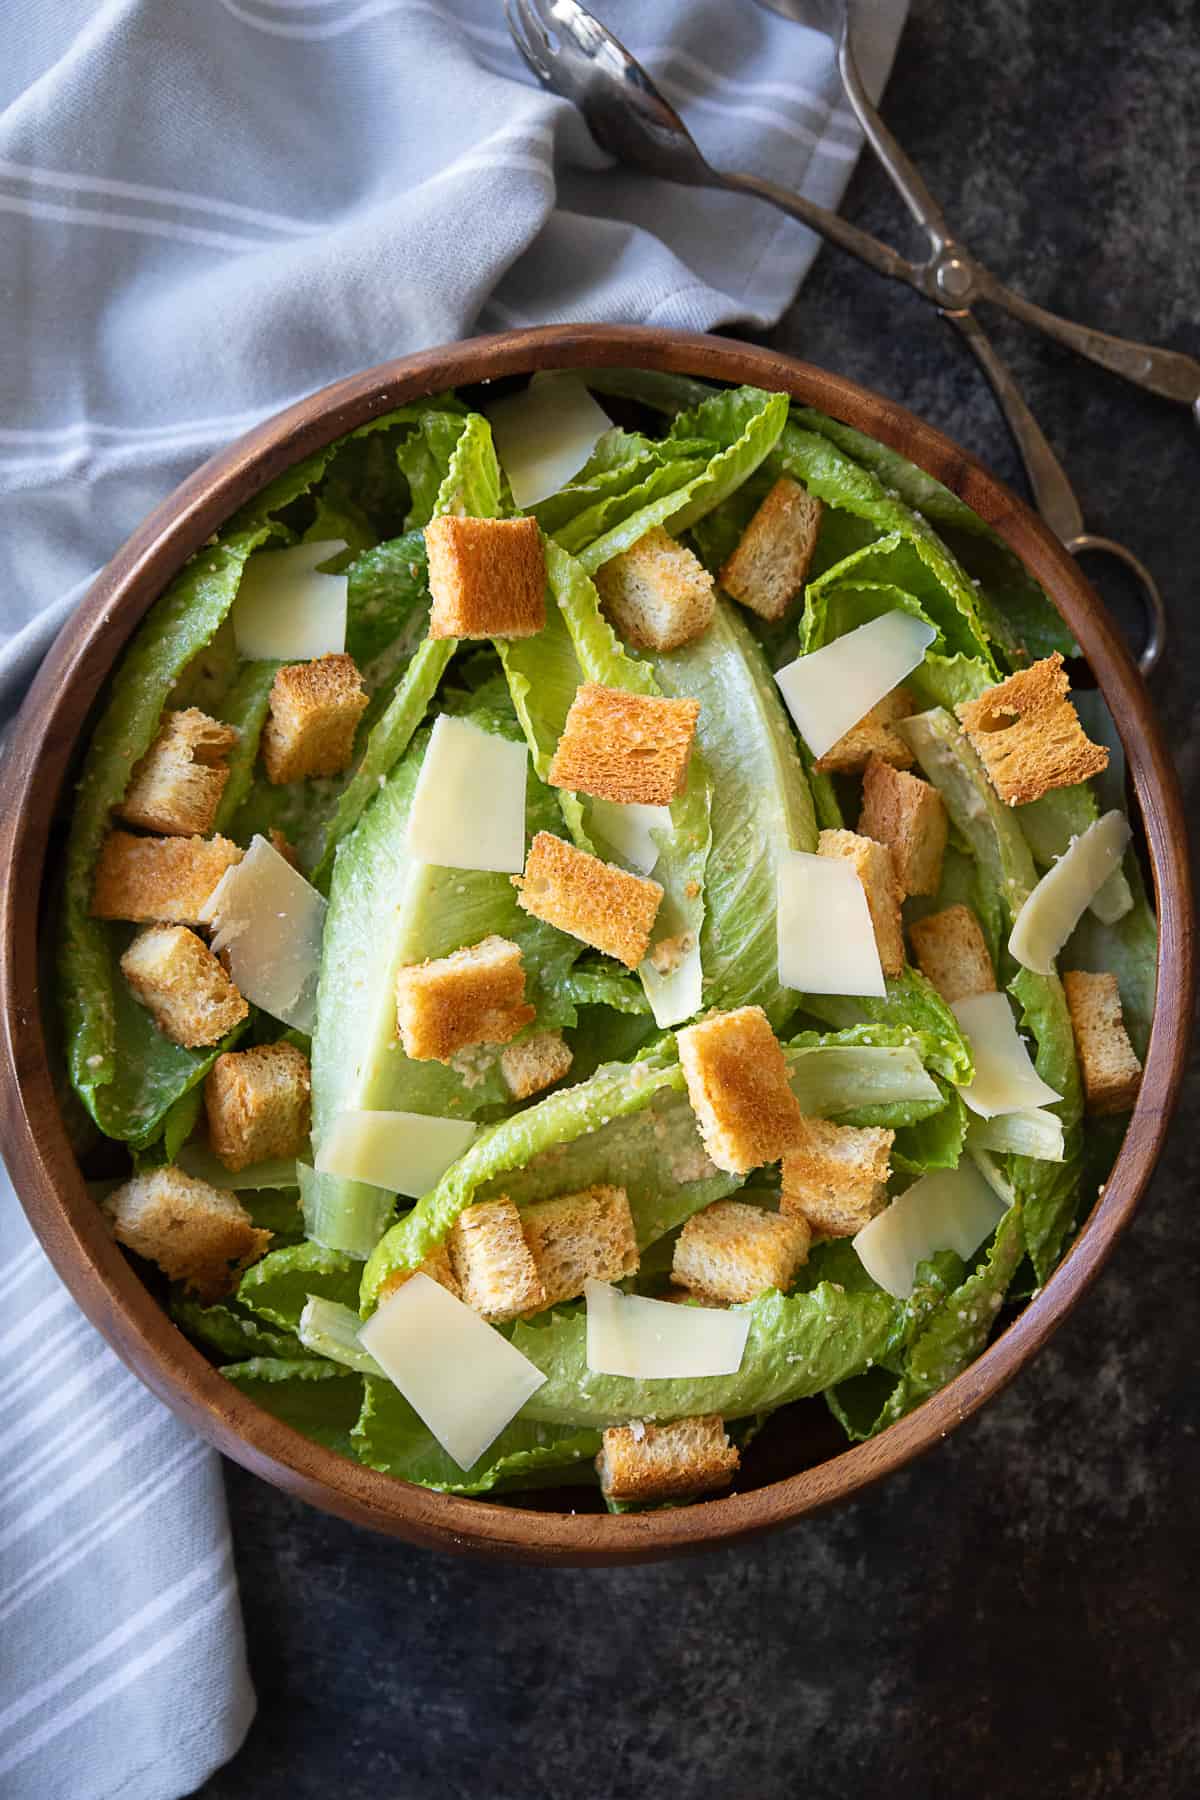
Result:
pixel 158 880
pixel 197 1234
pixel 492 1262
pixel 258 1104
pixel 658 595
pixel 835 1176
pixel 1112 1074
pixel 473 996
pixel 581 1237
pixel 632 748
pixel 1027 734
pixel 909 816
pixel 437 1265
pixel 875 869
pixel 666 1462
pixel 285 847
pixel 772 560
pixel 733 1251
pixel 589 899
pixel 182 985
pixel 737 1083
pixel 177 786
pixel 872 736
pixel 535 1063
pixel 952 953
pixel 487 578
pixel 312 718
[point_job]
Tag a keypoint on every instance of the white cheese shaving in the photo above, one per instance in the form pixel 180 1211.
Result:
pixel 1034 1132
pixel 406 1153
pixel 656 1340
pixel 1065 892
pixel 825 936
pixel 952 1209
pixel 268 921
pixel 468 810
pixel 461 1378
pixel 626 830
pixel 545 434
pixel 830 690
pixel 1005 1078
pixel 285 610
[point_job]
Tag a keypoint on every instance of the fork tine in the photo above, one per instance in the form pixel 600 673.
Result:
pixel 525 28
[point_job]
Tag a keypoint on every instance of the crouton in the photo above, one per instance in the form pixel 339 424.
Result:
pixel 535 1063
pixel 1111 1071
pixel 581 1237
pixel 473 996
pixel 771 562
pixel 182 985
pixel 658 595
pixel 589 899
pixel 737 1083
pixel 312 717
pixel 666 1462
pixel 437 1266
pixel 952 953
pixel 1027 734
pixel 257 1103
pixel 285 848
pixel 487 578
pixel 733 1251
pixel 492 1262
pixel 177 786
pixel 632 748
pixel 834 1176
pixel 909 816
pixel 197 1234
pixel 875 869
pixel 872 736
pixel 159 880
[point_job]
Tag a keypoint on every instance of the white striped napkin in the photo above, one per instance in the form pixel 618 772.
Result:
pixel 205 212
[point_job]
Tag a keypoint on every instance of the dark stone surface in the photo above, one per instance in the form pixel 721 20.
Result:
pixel 1017 1614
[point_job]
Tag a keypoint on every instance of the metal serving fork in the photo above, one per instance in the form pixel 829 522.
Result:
pixel 574 55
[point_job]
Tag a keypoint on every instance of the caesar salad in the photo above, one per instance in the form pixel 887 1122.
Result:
pixel 591 915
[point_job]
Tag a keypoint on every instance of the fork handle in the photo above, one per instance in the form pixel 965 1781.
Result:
pixel 1166 372
pixel 828 224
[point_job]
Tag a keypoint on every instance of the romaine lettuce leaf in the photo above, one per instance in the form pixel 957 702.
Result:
pixel 866 1075
pixel 317 1398
pixel 797 1346
pixel 389 1436
pixel 914 1006
pixel 508 1148
pixel 387 909
pixel 1050 1191
pixel 232 1334
pixel 277 1287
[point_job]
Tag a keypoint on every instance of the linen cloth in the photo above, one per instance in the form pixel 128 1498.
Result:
pixel 208 210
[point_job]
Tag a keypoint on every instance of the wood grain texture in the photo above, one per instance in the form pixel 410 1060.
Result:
pixel 34 1141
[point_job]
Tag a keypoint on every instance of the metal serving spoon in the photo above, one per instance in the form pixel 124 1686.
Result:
pixel 574 55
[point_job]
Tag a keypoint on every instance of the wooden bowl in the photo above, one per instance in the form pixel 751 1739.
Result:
pixel 35 1143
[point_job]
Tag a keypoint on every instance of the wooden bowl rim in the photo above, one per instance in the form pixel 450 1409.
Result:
pixel 32 1133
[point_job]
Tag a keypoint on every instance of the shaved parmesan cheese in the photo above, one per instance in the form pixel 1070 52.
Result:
pixel 406 1153
pixel 826 939
pixel 674 991
pixel 656 1340
pixel 1065 892
pixel 1005 1078
pixel 626 830
pixel 285 611
pixel 545 434
pixel 461 1378
pixel 836 1078
pixel 830 690
pixel 953 1209
pixel 198 1160
pixel 468 811
pixel 268 922
pixel 1034 1132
